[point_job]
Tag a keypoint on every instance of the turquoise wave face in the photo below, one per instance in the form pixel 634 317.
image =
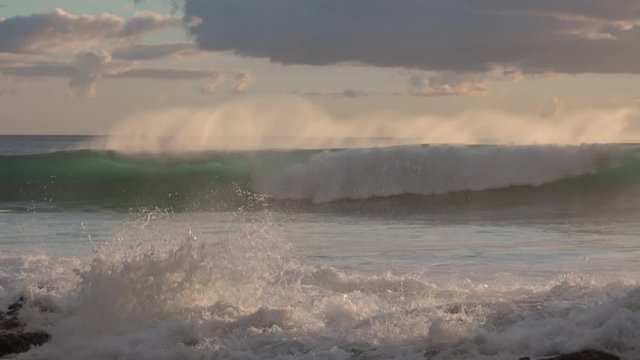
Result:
pixel 110 179
pixel 406 177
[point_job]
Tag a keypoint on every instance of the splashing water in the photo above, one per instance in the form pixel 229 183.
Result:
pixel 149 294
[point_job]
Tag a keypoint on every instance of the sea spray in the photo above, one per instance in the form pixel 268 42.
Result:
pixel 291 122
pixel 158 294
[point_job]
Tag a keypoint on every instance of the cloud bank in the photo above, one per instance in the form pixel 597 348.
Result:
pixel 46 32
pixel 91 66
pixel 144 52
pixel 561 36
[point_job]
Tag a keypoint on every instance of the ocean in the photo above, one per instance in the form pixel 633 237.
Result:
pixel 400 252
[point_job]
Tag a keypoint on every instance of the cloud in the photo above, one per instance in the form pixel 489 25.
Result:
pixel 37 70
pixel 92 66
pixel 561 36
pixel 449 83
pixel 446 84
pixel 233 80
pixel 7 58
pixel 241 82
pixel 610 10
pixel 154 52
pixel 46 32
pixel 348 93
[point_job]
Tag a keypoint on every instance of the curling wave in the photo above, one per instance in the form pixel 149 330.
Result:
pixel 222 178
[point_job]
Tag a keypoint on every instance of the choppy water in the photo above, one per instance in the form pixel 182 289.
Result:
pixel 438 252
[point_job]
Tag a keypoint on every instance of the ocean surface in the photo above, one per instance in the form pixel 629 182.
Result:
pixel 407 252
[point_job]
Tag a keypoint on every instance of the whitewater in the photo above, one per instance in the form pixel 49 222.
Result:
pixel 391 252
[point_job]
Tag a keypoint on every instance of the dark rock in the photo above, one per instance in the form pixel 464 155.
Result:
pixel 580 355
pixel 13 338
pixel 9 320
pixel 586 355
pixel 12 342
pixel 430 353
pixel 15 308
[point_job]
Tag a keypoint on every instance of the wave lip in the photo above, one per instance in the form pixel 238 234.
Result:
pixel 439 169
pixel 228 179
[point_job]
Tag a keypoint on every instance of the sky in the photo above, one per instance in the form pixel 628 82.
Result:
pixel 491 70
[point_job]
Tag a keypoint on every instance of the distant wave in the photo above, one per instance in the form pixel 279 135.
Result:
pixel 317 176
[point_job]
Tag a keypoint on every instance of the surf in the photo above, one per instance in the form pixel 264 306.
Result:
pixel 227 179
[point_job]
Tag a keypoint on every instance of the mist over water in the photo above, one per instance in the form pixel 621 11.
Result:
pixel 295 123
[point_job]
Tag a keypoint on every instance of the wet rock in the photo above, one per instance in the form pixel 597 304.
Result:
pixel 9 320
pixel 586 355
pixel 430 353
pixel 12 342
pixel 581 355
pixel 13 338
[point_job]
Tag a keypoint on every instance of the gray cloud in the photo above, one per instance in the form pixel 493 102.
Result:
pixel 237 81
pixel 38 70
pixel 154 52
pixel 90 67
pixel 565 36
pixel 348 93
pixel 241 81
pixel 45 32
pixel 445 84
pixel 610 10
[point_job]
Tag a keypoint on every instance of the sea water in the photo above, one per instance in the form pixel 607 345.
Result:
pixel 410 252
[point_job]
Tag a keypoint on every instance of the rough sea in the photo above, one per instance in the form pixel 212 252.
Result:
pixel 408 252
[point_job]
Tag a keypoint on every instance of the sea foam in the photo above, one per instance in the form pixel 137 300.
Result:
pixel 252 297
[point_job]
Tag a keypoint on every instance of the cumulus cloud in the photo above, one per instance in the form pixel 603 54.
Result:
pixel 46 32
pixel 449 83
pixel 446 84
pixel 241 81
pixel 562 36
pixel 91 67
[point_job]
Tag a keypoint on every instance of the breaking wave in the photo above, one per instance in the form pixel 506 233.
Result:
pixel 222 179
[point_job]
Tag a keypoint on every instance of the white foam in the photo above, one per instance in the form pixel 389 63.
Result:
pixel 427 170
pixel 251 297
